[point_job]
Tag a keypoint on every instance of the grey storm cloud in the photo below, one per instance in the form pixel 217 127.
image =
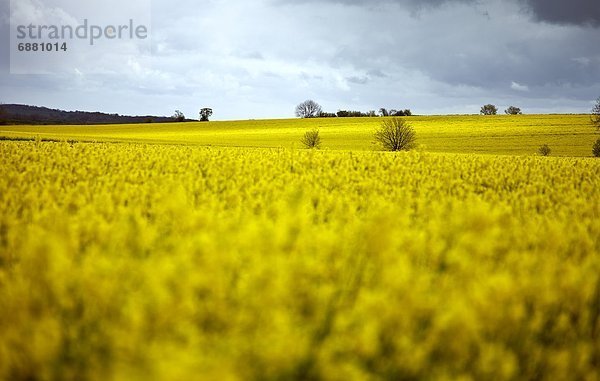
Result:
pixel 577 12
pixel 410 4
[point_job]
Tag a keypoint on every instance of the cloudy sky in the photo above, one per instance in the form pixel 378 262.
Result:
pixel 258 59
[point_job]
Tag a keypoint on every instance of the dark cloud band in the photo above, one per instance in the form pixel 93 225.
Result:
pixel 576 12
pixel 411 4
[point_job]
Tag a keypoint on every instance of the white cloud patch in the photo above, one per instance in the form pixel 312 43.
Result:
pixel 583 61
pixel 79 29
pixel 27 12
pixel 518 87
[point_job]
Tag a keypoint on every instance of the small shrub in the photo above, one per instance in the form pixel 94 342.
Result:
pixel 596 148
pixel 311 139
pixel 396 135
pixel 544 150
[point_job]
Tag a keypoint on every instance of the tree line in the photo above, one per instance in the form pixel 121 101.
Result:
pixel 311 109
pixel 491 109
pixel 25 114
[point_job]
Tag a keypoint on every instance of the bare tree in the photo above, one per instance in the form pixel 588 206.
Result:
pixel 308 109
pixel 488 110
pixel 178 116
pixel 396 135
pixel 311 139
pixel 596 114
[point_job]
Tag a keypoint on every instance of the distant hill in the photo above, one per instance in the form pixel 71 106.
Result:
pixel 23 114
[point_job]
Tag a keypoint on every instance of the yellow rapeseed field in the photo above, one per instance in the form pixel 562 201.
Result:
pixel 171 262
pixel 566 135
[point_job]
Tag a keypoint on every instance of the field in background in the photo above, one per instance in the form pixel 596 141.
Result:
pixel 567 135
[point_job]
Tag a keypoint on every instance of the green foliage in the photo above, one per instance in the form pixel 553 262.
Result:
pixel 406 112
pixel 396 134
pixel 596 148
pixel 323 114
pixel 488 109
pixel 311 139
pixel 372 113
pixel 165 262
pixel 205 114
pixel 512 110
pixel 544 150
pixel 351 114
